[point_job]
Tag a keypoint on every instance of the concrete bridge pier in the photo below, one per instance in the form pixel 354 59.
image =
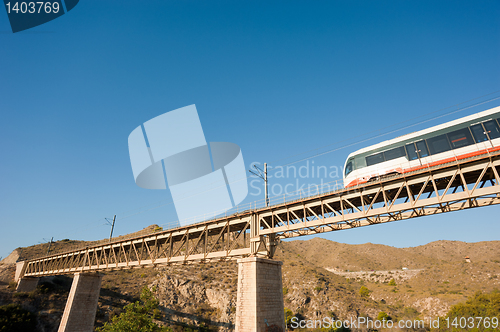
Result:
pixel 27 284
pixel 81 306
pixel 24 284
pixel 259 306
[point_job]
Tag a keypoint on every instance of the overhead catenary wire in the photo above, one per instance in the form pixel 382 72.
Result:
pixel 342 147
pixel 160 203
pixel 387 133
pixel 336 149
pixel 392 125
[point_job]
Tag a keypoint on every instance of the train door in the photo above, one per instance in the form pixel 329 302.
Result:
pixel 417 150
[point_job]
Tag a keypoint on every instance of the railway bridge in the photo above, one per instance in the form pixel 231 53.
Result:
pixel 251 237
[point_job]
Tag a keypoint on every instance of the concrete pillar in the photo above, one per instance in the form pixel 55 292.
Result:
pixel 20 268
pixel 81 306
pixel 27 284
pixel 259 306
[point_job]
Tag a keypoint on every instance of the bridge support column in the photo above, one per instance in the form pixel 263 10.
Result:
pixel 81 306
pixel 259 306
pixel 20 268
pixel 27 284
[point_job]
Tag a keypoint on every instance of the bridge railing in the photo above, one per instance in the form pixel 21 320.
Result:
pixel 456 185
pixel 327 188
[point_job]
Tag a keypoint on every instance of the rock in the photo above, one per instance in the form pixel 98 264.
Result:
pixel 185 300
pixel 12 258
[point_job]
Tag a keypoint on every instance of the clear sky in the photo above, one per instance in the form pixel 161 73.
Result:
pixel 278 78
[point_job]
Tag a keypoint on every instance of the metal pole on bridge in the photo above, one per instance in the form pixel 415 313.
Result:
pixel 112 227
pixel 50 243
pixel 265 183
pixel 263 175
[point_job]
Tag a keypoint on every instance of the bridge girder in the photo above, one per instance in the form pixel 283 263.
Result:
pixel 459 185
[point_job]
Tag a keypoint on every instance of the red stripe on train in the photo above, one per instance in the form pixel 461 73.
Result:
pixel 435 163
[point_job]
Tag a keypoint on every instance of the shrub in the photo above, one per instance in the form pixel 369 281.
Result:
pixel 138 316
pixel 383 316
pixel 288 316
pixel 480 305
pixel 410 312
pixel 392 282
pixel 14 318
pixel 363 291
pixel 285 291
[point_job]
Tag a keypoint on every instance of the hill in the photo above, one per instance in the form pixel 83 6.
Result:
pixel 320 278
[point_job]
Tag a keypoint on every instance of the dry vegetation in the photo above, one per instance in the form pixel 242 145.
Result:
pixel 320 278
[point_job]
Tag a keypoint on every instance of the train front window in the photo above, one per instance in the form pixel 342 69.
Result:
pixel 438 144
pixel 422 149
pixel 395 153
pixel 460 138
pixel 478 133
pixel 348 168
pixel 492 129
pixel 374 159
pixel 411 150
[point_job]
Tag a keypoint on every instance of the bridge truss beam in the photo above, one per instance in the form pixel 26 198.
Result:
pixel 444 189
pixel 455 186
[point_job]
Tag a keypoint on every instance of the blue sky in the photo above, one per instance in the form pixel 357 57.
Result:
pixel 277 78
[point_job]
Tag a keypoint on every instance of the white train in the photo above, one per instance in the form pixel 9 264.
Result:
pixel 458 139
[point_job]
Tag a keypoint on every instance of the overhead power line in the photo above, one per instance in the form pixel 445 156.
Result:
pixel 158 204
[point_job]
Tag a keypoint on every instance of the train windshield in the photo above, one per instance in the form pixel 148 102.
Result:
pixel 348 168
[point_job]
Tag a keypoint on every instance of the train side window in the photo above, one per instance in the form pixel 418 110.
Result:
pixel 411 151
pixel 460 138
pixel 374 159
pixel 492 129
pixel 422 149
pixel 348 168
pixel 395 153
pixel 438 144
pixel 478 133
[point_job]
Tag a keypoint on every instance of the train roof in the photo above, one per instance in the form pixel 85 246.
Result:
pixel 415 134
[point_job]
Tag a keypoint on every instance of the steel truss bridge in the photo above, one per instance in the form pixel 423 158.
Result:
pixel 458 185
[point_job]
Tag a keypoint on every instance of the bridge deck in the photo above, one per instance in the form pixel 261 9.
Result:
pixel 458 185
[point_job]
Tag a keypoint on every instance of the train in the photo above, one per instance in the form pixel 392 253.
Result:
pixel 459 139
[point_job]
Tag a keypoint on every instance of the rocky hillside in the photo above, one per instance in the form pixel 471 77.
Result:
pixel 427 279
pixel 320 278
